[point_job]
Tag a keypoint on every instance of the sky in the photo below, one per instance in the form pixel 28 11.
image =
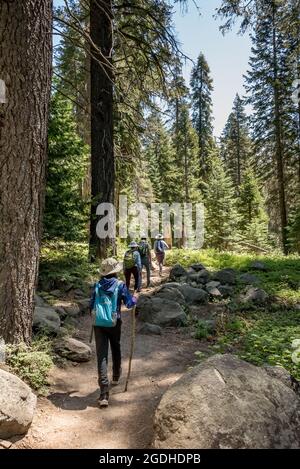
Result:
pixel 226 55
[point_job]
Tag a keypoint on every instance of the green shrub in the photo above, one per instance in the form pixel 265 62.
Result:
pixel 31 363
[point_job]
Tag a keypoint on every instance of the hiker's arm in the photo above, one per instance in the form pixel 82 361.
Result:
pixel 92 300
pixel 138 260
pixel 128 300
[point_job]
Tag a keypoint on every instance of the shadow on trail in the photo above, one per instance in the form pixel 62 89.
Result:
pixel 65 400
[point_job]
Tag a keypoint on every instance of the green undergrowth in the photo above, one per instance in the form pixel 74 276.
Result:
pixel 31 363
pixel 258 335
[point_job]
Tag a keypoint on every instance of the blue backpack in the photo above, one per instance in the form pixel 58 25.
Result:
pixel 106 305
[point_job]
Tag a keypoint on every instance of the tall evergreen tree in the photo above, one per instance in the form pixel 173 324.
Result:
pixel 201 88
pixel 236 145
pixel 253 217
pixel 268 84
pixel 221 216
pixel 65 211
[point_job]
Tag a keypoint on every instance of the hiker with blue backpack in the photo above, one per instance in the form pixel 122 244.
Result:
pixel 160 246
pixel 132 265
pixel 108 295
pixel 145 253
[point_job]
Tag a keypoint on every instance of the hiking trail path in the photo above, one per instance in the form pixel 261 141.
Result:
pixel 69 417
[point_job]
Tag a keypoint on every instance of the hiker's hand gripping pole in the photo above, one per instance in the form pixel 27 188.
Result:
pixel 132 343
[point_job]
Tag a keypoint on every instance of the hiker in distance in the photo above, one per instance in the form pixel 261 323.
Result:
pixel 160 246
pixel 105 307
pixel 132 265
pixel 145 253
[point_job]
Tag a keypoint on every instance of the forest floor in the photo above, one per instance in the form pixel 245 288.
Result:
pixel 69 416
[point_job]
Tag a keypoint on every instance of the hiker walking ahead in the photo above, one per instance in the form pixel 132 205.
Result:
pixel 160 246
pixel 108 294
pixel 132 265
pixel 145 252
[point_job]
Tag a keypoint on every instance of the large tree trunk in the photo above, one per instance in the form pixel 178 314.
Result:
pixel 102 148
pixel 25 66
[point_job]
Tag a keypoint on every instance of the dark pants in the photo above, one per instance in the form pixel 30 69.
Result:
pixel 135 272
pixel 146 263
pixel 104 336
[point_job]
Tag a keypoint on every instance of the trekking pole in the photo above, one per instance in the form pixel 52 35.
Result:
pixel 92 328
pixel 131 346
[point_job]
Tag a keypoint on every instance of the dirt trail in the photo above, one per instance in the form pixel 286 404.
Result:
pixel 70 418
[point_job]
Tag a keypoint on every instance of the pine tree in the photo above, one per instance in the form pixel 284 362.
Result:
pixel 236 147
pixel 253 223
pixel 66 214
pixel 185 142
pixel 221 216
pixel 201 88
pixel 159 152
pixel 269 88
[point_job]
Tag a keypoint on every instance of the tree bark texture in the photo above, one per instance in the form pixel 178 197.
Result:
pixel 25 66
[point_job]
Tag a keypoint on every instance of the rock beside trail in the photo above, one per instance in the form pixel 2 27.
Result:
pixel 226 291
pixel 197 267
pixel 214 292
pixel 193 295
pixel 46 319
pixel 17 405
pixel 226 276
pixel 160 311
pixel 150 329
pixel 199 277
pixel 73 350
pixel 227 403
pixel 257 265
pixel 255 296
pixel 84 305
pixel 70 308
pixel 249 279
pixel 177 271
pixel 171 293
pixel 39 301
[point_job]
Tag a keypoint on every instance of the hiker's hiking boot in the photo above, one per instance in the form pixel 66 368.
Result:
pixel 103 400
pixel 116 379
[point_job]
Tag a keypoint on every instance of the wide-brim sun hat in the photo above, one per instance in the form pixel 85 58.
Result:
pixel 110 266
pixel 133 244
pixel 159 236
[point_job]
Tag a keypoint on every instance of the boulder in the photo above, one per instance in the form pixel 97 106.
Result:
pixel 226 291
pixel 56 293
pixel 150 329
pixel 171 293
pixel 78 293
pixel 177 271
pixel 38 301
pixel 254 295
pixel 197 267
pixel 46 319
pixel 193 295
pixel 249 279
pixel 225 403
pixel 71 309
pixel 214 292
pixel 84 305
pixel 17 405
pixel 199 277
pixel 73 350
pixel 212 284
pixel 257 265
pixel 226 276
pixel 160 311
